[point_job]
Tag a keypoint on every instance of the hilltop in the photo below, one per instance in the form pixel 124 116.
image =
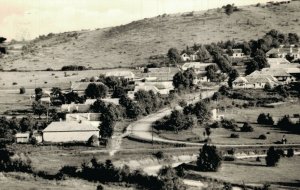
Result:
pixel 133 43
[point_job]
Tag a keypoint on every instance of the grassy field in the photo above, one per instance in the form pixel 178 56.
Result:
pixel 133 43
pixel 221 136
pixel 284 176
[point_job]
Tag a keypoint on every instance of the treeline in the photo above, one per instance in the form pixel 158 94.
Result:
pixel 9 127
pixel 73 68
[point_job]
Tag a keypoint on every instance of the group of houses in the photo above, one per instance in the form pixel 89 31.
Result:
pixel 79 124
pixel 282 52
pixel 281 71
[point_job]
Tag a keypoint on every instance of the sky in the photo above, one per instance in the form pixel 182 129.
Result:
pixel 27 19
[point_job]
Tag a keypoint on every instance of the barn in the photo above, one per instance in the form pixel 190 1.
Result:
pixel 71 131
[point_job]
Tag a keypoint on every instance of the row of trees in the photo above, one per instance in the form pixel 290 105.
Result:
pixel 9 127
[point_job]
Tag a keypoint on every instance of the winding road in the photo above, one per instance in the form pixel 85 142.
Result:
pixel 142 129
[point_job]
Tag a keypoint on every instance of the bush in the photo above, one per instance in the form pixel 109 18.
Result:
pixel 234 135
pixel 290 152
pixel 22 90
pixel 228 124
pixel 73 68
pixel 159 155
pixel 265 119
pixel 247 128
pixel 262 137
pixel 228 158
pixel 14 83
pixel 272 157
pixel 209 159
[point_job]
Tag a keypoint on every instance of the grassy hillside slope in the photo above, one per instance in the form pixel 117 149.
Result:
pixel 132 44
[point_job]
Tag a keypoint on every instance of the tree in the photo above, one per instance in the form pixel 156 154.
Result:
pixel 38 93
pixel 203 54
pixel 209 159
pixel 169 179
pixel 173 55
pixel 293 38
pixel 112 82
pixel 184 79
pixel 96 90
pixel 272 157
pixel 39 109
pixel 22 90
pixel 202 112
pixel 251 67
pixel 247 128
pixel 99 106
pixel 265 119
pixel 106 129
pixel 232 76
pixel 26 124
pixel 118 92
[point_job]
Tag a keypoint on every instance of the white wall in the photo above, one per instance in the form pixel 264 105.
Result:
pixel 68 136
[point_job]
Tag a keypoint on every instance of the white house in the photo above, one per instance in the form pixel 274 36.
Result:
pixel 280 63
pixel 121 74
pixel 75 107
pixel 254 82
pixel 197 66
pixel 22 137
pixel 282 52
pixel 237 53
pixel 71 131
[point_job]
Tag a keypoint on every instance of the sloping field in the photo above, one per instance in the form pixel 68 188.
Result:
pixel 131 44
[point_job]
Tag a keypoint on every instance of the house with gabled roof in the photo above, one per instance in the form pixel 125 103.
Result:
pixel 237 53
pixel 197 66
pixel 280 74
pixel 254 82
pixel 282 52
pixel 281 63
pixel 71 131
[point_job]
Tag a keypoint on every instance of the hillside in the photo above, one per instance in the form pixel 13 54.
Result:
pixel 132 44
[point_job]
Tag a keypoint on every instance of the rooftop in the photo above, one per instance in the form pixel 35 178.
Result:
pixel 69 126
pixel 125 74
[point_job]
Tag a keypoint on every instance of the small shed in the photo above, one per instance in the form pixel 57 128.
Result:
pixel 22 137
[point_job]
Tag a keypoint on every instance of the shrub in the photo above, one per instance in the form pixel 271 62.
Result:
pixel 228 158
pixel 234 135
pixel 265 119
pixel 209 159
pixel 228 124
pixel 22 90
pixel 262 137
pixel 159 155
pixel 216 125
pixel 49 69
pixel 14 83
pixel 247 128
pixel 272 157
pixel 290 152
